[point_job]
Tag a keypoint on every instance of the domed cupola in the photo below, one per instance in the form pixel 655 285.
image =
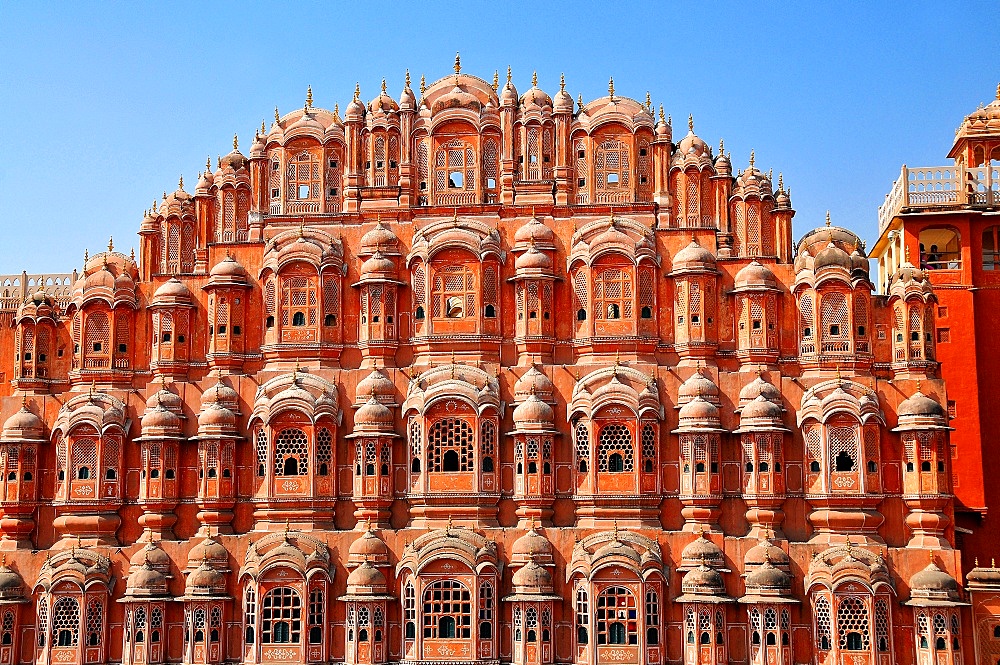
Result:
pixel 692 148
pixel 378 267
pixel 920 412
pixel 693 259
pixel 700 551
pixel 702 584
pixel 534 382
pixel 378 384
pixel 368 548
pixel 698 385
pixel 373 417
pixel 563 101
pixel 933 587
pixel 23 427
pixel 355 111
pixel 235 160
pixel 407 100
pixel 379 239
pixel 532 547
pixel 698 414
pixel 755 277
pixel 366 580
pixel 723 165
pixel 536 99
pixel 983 578
pixel 536 233
pixel 172 293
pixel 12 587
pixel 533 415
pixel 228 272
pixel 752 182
pixel 384 103
pixel 508 97
pixel 533 261
pixel 146 581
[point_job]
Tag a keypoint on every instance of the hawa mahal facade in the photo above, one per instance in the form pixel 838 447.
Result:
pixel 475 376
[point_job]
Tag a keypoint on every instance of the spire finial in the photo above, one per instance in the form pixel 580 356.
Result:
pixel 309 97
pixel 579 100
pixel 618 358
pixel 383 87
pixel 236 141
pixel 447 529
pixel 828 218
pixel 111 243
pixel 496 79
pixel 458 62
pixel 615 527
pixel 662 119
pixel 263 129
pixel 406 80
pixel 336 111
pixel 534 79
pixel 691 122
pixel 208 164
pixel 649 101
pixel 998 90
pixel 562 83
pixel 508 75
pixel 277 118
pixel 752 158
pixel 906 253
pixel 287 526
pixel 180 183
pixel 86 256
pixel 918 385
pixel 611 88
pixel 781 181
pixel 357 92
pixel 455 217
pixel 423 84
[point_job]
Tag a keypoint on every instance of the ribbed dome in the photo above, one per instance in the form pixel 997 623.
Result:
pixel 204 580
pixel 151 554
pixel 534 230
pixel 216 415
pixel 375 383
pixel 228 267
pixel 754 275
pixel 698 385
pixel 919 404
pixel 933 578
pixel 983 577
pixel 172 291
pixel 532 578
pixel 832 256
pixel 373 413
pixel 209 550
pixel 160 418
pixel 759 387
pixel 703 580
pixel 235 160
pixel 698 410
pixel 531 546
pixel 533 411
pixel 379 238
pixel 378 266
pixel 692 145
pixel 23 425
pixel 533 259
pixel 533 381
pixel 693 257
pixel 369 547
pixel 763 551
pixel 383 103
pixel 767 576
pixel 11 584
pixel 702 550
pixel 616 548
pixel 366 577
pixel 146 580
pixel 761 408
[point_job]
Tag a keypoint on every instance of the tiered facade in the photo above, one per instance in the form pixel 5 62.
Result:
pixel 472 377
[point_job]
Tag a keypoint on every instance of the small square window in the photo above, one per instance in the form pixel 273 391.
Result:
pixel 97 347
pixel 491 183
pixel 333 163
pixel 581 154
pixel 275 166
pixel 952 409
pixel 943 335
pixel 123 348
pixel 835 330
pixel 333 191
pixel 756 324
pixel 642 152
pixel 582 182
pixel 612 178
pixel 942 312
pixel 303 191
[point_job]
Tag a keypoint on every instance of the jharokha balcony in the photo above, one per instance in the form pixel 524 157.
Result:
pixel 944 187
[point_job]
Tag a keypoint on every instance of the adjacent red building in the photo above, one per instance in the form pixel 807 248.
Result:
pixel 475 376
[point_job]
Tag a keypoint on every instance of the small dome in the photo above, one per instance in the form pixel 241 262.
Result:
pixel 722 165
pixel 859 263
pixel 755 275
pixel 166 399
pixel 146 580
pixel 159 418
pixel 378 266
pixel 11 584
pixel 537 98
pixel 563 101
pixel 703 580
pixel 381 238
pixel 692 145
pixel 369 547
pixel 355 110
pixel 933 578
pixel 375 383
pixel 23 425
pixel 698 385
pixel 763 551
pixel 216 415
pixel 533 411
pixel 209 550
pixel 151 554
pixel 761 409
pixel 698 410
pixel 407 100
pixel 366 577
pixel 920 405
pixel 205 579
pixel 230 268
pixel 693 257
pixel 222 394
pixel 532 578
pixel 533 381
pixel 759 387
pixel 983 577
pixel 532 546
pixel 767 576
pixel 235 160
pixel 172 291
pixel 508 96
pixel 384 103
pixel 832 256
pixel 533 259
pixel 702 550
pixel 534 230
pixel 373 414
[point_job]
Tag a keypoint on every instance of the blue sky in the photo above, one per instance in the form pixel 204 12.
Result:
pixel 106 104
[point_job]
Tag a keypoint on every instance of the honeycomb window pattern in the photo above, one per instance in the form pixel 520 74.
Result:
pixel 291 453
pixel 615 439
pixel 451 442
pixel 852 625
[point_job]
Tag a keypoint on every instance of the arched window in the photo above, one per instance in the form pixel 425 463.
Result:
pixel 613 292
pixel 291 453
pixel 991 248
pixel 409 612
pixel 615 449
pixel 66 622
pixel 652 618
pixel 612 170
pixel 617 617
pixel 853 630
pixel 582 616
pixel 281 616
pixel 451 443
pixel 453 293
pixel 940 249
pixel 485 611
pixel 447 611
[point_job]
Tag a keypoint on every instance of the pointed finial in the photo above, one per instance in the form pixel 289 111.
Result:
pixel 562 83
pixel 180 183
pixel 918 385
pixel 309 96
pixel 670 120
pixel 848 544
pixel 86 256
pixel 534 79
pixel 998 90
pixel 906 253
pixel 615 532
pixel 649 101
pixel 423 84
pixel 458 62
pixel 496 80
pixel 357 92
pixel 111 243
pixel 691 122
pixel 236 141
pixel 662 119
pixel 770 174
pixel 508 75
pixel 218 161
pixel 828 218
pixel 752 158
pixel 263 129
pixel 618 358
pixel 532 526
pixel 208 163
pixel 448 528
pixel 781 181
pixel 336 111
pixel 579 100
pixel 277 118
pixel 611 88
pixel 383 87
pixel 286 528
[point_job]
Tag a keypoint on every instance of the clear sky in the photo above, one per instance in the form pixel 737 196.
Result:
pixel 106 104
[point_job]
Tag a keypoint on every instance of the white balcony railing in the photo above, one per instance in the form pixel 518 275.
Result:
pixel 944 186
